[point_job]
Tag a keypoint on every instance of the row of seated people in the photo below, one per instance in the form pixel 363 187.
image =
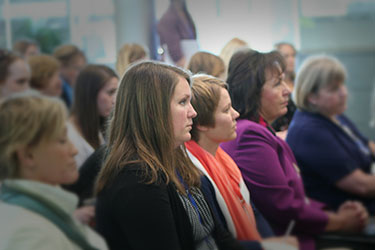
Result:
pixel 302 212
pixel 271 105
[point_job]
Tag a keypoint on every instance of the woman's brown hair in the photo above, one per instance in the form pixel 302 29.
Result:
pixel 85 108
pixel 141 129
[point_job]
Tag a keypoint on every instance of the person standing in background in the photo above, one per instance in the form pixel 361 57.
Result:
pixel 177 34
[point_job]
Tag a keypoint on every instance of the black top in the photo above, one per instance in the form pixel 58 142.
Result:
pixel 88 172
pixel 133 215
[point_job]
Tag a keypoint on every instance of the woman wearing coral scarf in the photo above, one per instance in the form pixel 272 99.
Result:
pixel 214 124
pixel 227 179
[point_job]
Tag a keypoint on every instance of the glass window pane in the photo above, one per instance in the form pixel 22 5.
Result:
pixel 48 32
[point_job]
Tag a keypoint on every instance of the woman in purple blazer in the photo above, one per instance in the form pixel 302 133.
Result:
pixel 268 166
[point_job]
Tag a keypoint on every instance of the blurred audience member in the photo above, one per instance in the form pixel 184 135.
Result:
pixel 94 98
pixel 45 70
pixel 208 63
pixel 72 61
pixel 334 157
pixel 14 74
pixel 288 51
pixel 177 33
pixel 36 157
pixel 26 48
pixel 129 53
pixel 372 110
pixel 230 48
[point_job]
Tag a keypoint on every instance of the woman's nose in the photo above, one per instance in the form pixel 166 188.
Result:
pixel 192 113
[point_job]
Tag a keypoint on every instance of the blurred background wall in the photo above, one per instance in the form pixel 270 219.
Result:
pixel 343 28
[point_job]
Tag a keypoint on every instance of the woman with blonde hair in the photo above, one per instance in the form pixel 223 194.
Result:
pixel 230 48
pixel 129 53
pixel 148 190
pixel 36 158
pixel 45 71
pixel 208 63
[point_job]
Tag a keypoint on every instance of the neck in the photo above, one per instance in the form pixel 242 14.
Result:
pixel 208 145
pixel 329 117
pixel 267 120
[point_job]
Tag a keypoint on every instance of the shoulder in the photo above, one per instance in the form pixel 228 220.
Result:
pixel 27 230
pixel 131 182
pixel 246 126
pixel 77 139
pixel 304 119
pixel 168 18
pixel 252 132
pixel 309 124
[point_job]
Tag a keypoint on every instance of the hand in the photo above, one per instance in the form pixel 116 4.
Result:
pixel 85 214
pixel 361 211
pixel 354 216
pixel 290 240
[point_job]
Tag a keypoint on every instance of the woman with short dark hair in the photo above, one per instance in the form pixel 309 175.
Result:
pixel 267 164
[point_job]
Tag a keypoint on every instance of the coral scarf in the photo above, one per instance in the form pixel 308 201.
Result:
pixel 226 176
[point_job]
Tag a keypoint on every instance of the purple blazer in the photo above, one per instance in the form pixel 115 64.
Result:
pixel 271 174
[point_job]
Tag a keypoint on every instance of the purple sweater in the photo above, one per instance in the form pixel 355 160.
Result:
pixel 271 174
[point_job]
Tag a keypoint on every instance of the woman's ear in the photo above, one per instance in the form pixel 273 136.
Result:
pixel 25 157
pixel 312 98
pixel 202 128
